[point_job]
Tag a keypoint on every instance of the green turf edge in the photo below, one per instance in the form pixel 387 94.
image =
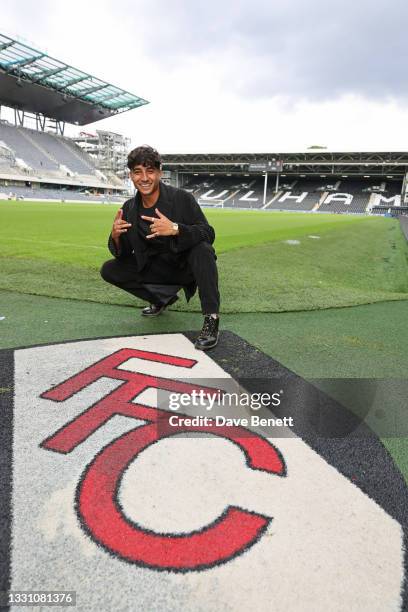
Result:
pixel 194 306
pixel 361 341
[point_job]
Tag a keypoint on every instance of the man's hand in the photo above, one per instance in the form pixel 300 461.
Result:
pixel 120 226
pixel 160 226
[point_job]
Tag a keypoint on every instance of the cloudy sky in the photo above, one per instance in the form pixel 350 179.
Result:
pixel 234 76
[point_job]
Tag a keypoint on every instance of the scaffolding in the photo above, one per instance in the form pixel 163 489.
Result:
pixel 108 150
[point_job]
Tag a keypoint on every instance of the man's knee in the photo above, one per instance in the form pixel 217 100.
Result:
pixel 107 271
pixel 202 249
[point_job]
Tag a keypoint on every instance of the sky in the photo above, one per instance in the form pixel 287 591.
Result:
pixel 233 76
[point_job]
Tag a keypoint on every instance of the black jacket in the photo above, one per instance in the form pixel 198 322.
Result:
pixel 180 207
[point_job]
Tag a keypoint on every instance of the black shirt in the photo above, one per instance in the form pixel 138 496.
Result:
pixel 158 244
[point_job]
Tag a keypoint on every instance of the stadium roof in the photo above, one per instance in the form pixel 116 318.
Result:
pixel 33 81
pixel 310 163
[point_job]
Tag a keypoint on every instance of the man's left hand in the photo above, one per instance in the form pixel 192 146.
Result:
pixel 160 226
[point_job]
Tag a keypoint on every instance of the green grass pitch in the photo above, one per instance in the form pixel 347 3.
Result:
pixel 56 249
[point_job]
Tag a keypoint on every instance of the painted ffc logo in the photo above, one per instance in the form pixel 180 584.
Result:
pixel 97 504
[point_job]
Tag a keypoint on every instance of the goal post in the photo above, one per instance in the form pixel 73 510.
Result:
pixel 211 203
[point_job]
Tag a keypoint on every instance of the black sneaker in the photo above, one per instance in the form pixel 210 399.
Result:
pixel 154 310
pixel 208 337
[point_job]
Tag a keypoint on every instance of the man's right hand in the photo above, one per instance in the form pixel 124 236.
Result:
pixel 120 226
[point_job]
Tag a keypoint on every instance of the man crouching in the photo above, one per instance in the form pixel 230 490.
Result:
pixel 162 243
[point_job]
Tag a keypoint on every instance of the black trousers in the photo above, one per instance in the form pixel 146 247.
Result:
pixel 200 267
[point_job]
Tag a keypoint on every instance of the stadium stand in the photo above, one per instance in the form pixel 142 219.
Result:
pixel 352 196
pixel 44 151
pixel 295 194
pixel 297 202
pixel 15 192
pixel 302 193
pixel 388 201
pixel 20 141
pixel 309 184
pixel 220 188
pixel 290 201
pixel 211 190
pixel 252 196
pixel 43 165
pixel 233 192
pixel 303 181
pixel 57 147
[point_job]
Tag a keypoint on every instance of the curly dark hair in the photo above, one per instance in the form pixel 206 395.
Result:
pixel 144 156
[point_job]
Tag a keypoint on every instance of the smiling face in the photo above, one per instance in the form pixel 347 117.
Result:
pixel 146 179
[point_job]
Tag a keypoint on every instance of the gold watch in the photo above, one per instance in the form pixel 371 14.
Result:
pixel 175 228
